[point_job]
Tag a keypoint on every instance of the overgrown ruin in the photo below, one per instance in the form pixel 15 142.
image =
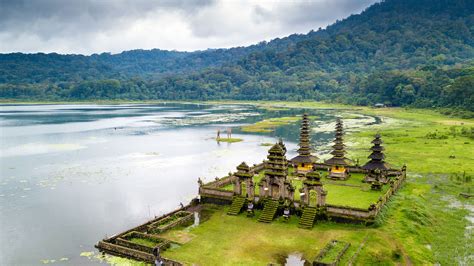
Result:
pixel 300 187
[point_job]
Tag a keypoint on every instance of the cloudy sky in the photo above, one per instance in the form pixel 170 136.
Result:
pixel 95 26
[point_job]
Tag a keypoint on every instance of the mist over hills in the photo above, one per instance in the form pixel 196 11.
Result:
pixel 398 52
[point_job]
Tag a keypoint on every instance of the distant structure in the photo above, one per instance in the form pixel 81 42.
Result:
pixel 338 162
pixel 304 161
pixel 275 184
pixel 376 167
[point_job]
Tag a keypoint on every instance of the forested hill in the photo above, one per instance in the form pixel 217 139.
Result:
pixel 19 68
pixel 399 52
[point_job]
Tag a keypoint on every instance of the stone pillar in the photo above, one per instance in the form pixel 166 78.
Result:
pixel 237 186
pixel 262 185
pixel 282 193
pixel 306 195
pixel 250 188
pixel 321 196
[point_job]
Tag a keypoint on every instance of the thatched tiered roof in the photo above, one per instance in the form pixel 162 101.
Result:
pixel 243 171
pixel 277 164
pixel 339 147
pixel 377 157
pixel 304 152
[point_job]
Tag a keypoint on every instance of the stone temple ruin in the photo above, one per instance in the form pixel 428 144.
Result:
pixel 303 187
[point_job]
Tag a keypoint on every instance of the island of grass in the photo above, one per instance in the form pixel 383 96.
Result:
pixel 229 140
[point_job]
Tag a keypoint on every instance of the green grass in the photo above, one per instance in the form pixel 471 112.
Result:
pixel 144 242
pixel 239 240
pixel 333 252
pixel 351 196
pixel 229 140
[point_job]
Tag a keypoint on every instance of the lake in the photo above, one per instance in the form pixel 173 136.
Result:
pixel 74 174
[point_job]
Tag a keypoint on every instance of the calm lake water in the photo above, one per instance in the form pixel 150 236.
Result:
pixel 71 175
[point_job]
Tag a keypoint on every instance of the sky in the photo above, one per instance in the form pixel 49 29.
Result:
pixel 96 26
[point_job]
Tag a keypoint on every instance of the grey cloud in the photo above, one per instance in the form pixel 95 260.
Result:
pixel 89 26
pixel 310 12
pixel 47 18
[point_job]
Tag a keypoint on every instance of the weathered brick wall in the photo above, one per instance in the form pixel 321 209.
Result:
pixel 209 192
pixel 349 212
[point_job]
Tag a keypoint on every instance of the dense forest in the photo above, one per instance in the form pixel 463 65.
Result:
pixel 398 52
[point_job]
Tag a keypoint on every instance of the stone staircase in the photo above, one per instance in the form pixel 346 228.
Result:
pixel 307 219
pixel 237 204
pixel 269 211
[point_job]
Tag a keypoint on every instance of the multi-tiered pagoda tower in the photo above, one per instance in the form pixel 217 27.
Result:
pixel 304 161
pixel 338 162
pixel 275 183
pixel 376 167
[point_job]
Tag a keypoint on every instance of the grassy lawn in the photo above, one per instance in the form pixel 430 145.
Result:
pixel 351 196
pixel 333 252
pixel 239 240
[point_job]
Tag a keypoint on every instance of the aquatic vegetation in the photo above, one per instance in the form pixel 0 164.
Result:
pixel 229 140
pixel 269 125
pixel 39 148
pixel 112 260
pixel 201 119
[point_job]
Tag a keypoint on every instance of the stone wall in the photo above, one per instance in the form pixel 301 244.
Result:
pixel 156 228
pixel 131 253
pixel 370 213
pixel 144 227
pixel 347 212
pixel 213 192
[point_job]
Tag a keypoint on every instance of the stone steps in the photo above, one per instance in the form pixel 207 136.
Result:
pixel 237 204
pixel 269 211
pixel 307 219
